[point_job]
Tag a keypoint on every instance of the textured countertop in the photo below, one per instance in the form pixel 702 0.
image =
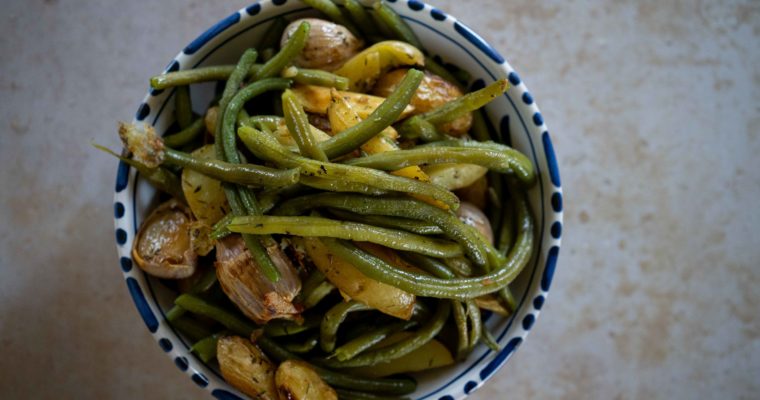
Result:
pixel 654 108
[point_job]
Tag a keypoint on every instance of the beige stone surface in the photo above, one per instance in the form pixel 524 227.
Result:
pixel 654 107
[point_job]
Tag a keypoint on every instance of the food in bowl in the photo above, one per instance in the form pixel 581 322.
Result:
pixel 328 214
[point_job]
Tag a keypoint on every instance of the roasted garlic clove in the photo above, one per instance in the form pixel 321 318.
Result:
pixel 473 216
pixel 163 244
pixel 246 367
pixel 432 93
pixel 253 293
pixel 329 45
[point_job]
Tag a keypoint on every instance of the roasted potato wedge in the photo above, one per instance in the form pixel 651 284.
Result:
pixel 476 193
pixel 329 44
pixel 204 195
pixel 295 380
pixel 385 298
pixel 432 93
pixel 454 176
pixel 246 367
pixel 316 99
pixel 364 69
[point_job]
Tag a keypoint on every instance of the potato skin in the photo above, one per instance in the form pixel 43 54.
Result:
pixel 433 92
pixel 329 45
pixel 246 367
pixel 295 380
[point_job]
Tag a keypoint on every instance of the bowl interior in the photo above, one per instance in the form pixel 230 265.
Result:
pixel 514 118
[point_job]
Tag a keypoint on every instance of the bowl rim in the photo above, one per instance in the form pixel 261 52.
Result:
pixel 549 241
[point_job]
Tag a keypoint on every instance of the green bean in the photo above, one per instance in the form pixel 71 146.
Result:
pixel 242 174
pixel 206 347
pixel 508 298
pixel 305 346
pixel 314 279
pixel 479 130
pixel 459 288
pixel 191 328
pixel 425 334
pixel 318 294
pixel 505 160
pixel 267 148
pixel 393 23
pixel 407 224
pixel 331 10
pixel 397 207
pixel 417 127
pixel 262 122
pixel 467 103
pixel 495 207
pixel 206 281
pixel 460 321
pixel 287 53
pixel 160 178
pixel 361 18
pixel 190 76
pixel 344 394
pixel 230 320
pixel 339 185
pixel 186 135
pixel 328 330
pixel 315 77
pixel 397 386
pixel 219 230
pixel 279 328
pixel 518 162
pixel 476 328
pixel 299 128
pixel 359 344
pixel 325 227
pixel 489 340
pixel 183 108
pixel 383 116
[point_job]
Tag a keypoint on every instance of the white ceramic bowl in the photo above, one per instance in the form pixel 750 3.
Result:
pixel 515 116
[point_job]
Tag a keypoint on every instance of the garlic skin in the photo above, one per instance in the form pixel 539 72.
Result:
pixel 253 293
pixel 329 45
pixel 163 247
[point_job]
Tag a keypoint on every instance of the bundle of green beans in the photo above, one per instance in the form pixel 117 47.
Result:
pixel 331 192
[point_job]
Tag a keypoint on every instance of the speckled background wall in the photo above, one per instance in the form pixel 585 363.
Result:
pixel 654 107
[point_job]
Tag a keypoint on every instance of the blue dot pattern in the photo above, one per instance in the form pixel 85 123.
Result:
pixel 181 363
pixel 447 397
pixel 279 2
pixel 126 264
pixel 142 305
pixel 415 5
pixel 253 9
pixel 470 386
pixel 528 321
pixel 551 263
pixel 225 395
pixel 551 159
pixel 538 302
pixel 212 32
pixel 142 112
pixel 165 345
pixel 485 315
pixel 538 119
pixel 556 230
pixel 437 14
pixel 122 176
pixel 557 202
pixel 527 98
pixel 478 42
pixel 121 236
pixel 200 380
pixel 118 210
pixel 514 79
